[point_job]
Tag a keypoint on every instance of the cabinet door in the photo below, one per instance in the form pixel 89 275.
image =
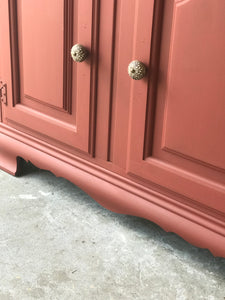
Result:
pixel 131 41
pixel 49 95
pixel 183 147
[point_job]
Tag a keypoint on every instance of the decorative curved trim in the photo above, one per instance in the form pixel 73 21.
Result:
pixel 114 192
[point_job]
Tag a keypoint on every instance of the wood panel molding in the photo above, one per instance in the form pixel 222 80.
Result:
pixel 178 7
pixel 45 104
pixel 67 63
pixel 14 50
pixel 153 78
pixel 94 76
pixel 172 151
pixel 181 2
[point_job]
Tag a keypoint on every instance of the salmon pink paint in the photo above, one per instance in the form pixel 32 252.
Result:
pixel 151 144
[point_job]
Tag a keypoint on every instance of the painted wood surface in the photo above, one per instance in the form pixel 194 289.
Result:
pixel 154 148
pixel 182 147
pixel 51 96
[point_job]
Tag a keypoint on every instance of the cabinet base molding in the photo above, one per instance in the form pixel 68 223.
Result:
pixel 114 192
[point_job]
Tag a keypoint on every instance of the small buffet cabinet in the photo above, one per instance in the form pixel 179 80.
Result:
pixel 124 98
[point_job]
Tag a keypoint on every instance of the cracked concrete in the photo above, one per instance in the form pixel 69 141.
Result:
pixel 58 243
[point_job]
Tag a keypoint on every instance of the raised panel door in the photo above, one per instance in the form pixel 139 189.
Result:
pixel 49 95
pixel 177 133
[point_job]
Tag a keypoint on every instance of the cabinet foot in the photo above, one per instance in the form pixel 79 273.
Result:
pixel 10 163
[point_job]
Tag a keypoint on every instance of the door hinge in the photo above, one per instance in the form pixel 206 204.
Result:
pixel 3 92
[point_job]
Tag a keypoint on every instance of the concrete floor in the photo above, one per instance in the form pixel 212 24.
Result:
pixel 58 243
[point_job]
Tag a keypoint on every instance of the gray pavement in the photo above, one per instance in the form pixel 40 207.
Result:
pixel 58 243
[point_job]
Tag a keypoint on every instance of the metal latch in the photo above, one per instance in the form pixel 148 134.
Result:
pixel 3 92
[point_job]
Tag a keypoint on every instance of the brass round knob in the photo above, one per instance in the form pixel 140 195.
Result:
pixel 79 53
pixel 136 70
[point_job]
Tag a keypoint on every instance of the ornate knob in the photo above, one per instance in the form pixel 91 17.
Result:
pixel 136 70
pixel 79 53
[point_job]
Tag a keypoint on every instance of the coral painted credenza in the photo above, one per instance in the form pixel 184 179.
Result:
pixel 124 98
